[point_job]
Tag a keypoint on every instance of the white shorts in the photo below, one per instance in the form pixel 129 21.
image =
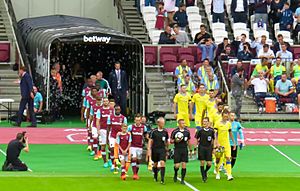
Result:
pixel 94 132
pixel 122 157
pixel 112 142
pixel 102 136
pixel 136 152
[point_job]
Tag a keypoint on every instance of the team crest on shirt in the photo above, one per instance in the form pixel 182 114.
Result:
pixel 209 138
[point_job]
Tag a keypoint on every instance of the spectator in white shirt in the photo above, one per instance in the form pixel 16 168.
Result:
pixel 170 8
pixel 260 88
pixel 181 36
pixel 218 11
pixel 266 52
pixel 284 54
pixel 258 45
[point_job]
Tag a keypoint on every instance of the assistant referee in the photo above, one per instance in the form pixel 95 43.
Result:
pixel 205 137
pixel 157 148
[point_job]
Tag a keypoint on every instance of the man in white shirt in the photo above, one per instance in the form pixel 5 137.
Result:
pixel 239 9
pixel 266 52
pixel 181 36
pixel 258 45
pixel 218 11
pixel 260 88
pixel 170 8
pixel 284 54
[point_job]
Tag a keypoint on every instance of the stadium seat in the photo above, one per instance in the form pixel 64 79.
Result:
pixel 4 52
pixel 195 25
pixel 218 26
pixel 148 9
pixel 154 36
pixel 185 51
pixel 149 59
pixel 255 27
pixel 150 24
pixel 189 58
pixel 199 55
pixel 276 28
pixel 237 33
pixel 192 10
pixel 194 18
pixel 166 50
pixel 286 34
pixel 239 26
pixel 150 55
pixel 296 52
pixel 197 66
pixel 229 68
pixel 168 58
pixel 258 33
pixel 170 66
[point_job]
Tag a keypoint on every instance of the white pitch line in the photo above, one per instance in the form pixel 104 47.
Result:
pixel 5 156
pixel 285 155
pixel 189 185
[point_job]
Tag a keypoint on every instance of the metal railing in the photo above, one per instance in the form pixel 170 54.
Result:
pixel 223 83
pixel 121 15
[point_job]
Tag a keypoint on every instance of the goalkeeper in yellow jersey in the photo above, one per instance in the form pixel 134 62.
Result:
pixel 223 132
pixel 181 106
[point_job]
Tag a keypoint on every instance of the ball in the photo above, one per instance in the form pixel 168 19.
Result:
pixel 179 136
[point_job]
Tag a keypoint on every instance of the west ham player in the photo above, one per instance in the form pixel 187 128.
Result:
pixel 137 130
pixel 102 115
pixel 180 137
pixel 84 93
pixel 157 148
pixel 94 128
pixel 236 129
pixel 114 123
pixel 223 129
pixel 205 137
pixel 89 100
pixel 122 149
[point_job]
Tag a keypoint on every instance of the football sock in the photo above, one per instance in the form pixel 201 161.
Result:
pixel 162 173
pixel 228 167
pixel 127 165
pixel 217 167
pixel 155 172
pixel 175 171
pixel 103 153
pixel 137 167
pixel 183 172
pixel 95 145
pixel 133 165
pixel 123 171
pixel 232 162
pixel 202 171
pixel 207 168
pixel 111 154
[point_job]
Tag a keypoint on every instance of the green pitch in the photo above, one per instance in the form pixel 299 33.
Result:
pixel 68 167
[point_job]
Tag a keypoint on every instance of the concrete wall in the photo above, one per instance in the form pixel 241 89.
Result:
pixel 102 10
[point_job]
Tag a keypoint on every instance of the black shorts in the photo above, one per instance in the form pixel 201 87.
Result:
pixel 205 153
pixel 158 155
pixel 234 152
pixel 181 155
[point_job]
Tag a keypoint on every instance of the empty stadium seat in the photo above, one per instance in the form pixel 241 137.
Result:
pixel 149 59
pixel 170 66
pixel 186 51
pixel 154 35
pixel 239 26
pixel 192 10
pixel 168 58
pixel 165 50
pixel 218 26
pixel 150 55
pixel 189 58
pixel 296 52
pixel 197 66
pixel 286 34
pixel 4 52
pixel 148 9
pixel 258 33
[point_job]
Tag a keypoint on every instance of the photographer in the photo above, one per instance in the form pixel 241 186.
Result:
pixel 14 148
pixel 245 54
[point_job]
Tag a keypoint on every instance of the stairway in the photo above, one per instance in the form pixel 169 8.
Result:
pixel 135 21
pixel 8 87
pixel 161 90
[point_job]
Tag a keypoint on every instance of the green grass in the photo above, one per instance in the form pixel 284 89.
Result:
pixel 68 167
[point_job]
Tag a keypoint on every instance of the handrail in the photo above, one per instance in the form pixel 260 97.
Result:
pixel 224 80
pixel 121 15
pixel 13 22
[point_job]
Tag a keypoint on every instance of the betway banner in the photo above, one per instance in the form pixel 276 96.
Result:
pixel 100 39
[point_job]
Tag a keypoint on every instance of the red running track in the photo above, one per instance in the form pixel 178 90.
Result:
pixel 78 136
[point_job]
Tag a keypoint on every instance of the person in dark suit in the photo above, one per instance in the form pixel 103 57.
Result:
pixel 239 11
pixel 27 96
pixel 119 86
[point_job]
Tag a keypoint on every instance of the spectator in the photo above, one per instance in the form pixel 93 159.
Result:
pixel 217 7
pixel 276 7
pixel 150 3
pixel 170 8
pixel 190 87
pixel 286 18
pixel 275 73
pixel 238 45
pixel 27 97
pixel 166 37
pixel 211 83
pixel 251 7
pixel 202 71
pixel 295 71
pixel 208 50
pixel 56 66
pixel 239 9
pixel 119 86
pixel 190 3
pixel 263 66
pixel 201 36
pixel 227 53
pixel 181 36
pixel 161 16
pixel 38 101
pixel 245 54
pixel 261 11
pixel 180 17
pixel 222 46
pixel 266 52
pixel 297 27
pixel 101 82
pixel 55 95
pixel 284 54
pixel 277 45
pixel 284 89
pixel 258 45
pixel 181 68
pixel 260 84
pixel 239 64
pixel 195 78
pixel 237 86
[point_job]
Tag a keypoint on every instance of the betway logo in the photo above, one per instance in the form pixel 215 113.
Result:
pixel 96 39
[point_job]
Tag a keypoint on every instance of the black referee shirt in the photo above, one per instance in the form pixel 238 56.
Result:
pixel 159 137
pixel 186 136
pixel 206 136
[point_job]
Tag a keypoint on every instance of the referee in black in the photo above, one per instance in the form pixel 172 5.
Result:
pixel 181 139
pixel 157 148
pixel 205 137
